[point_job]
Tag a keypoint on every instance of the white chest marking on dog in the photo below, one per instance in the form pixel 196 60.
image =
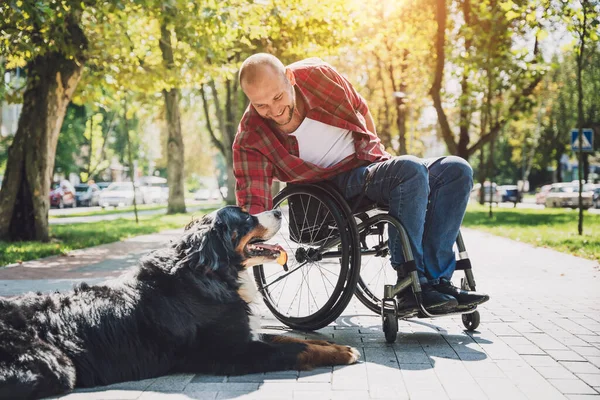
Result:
pixel 249 293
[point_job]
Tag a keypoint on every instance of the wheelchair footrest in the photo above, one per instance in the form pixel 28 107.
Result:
pixel 452 312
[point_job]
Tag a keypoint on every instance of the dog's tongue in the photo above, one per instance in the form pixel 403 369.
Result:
pixel 282 258
pixel 273 247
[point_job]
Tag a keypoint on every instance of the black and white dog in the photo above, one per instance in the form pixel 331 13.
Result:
pixel 183 309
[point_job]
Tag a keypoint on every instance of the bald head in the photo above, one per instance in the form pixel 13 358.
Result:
pixel 260 67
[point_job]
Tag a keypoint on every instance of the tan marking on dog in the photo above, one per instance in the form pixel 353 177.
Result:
pixel 257 232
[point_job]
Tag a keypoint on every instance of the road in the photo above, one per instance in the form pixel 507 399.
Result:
pixel 191 207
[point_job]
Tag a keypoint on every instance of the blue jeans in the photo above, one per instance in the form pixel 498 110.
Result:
pixel 429 198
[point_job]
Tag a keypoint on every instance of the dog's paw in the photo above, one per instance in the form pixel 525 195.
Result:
pixel 333 354
pixel 354 354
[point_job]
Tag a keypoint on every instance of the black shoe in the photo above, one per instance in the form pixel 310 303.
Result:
pixel 433 300
pixel 466 299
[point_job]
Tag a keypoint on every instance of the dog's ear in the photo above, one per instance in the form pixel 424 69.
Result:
pixel 209 248
pixel 204 220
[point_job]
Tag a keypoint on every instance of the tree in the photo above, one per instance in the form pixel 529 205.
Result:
pixel 487 35
pixel 48 39
pixel 392 69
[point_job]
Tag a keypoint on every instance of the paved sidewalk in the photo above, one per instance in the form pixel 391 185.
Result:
pixel 539 336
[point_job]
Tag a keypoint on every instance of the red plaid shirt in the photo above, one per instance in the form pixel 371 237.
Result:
pixel 261 153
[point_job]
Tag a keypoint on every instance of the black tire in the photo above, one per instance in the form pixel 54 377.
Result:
pixel 390 326
pixel 471 321
pixel 376 270
pixel 325 285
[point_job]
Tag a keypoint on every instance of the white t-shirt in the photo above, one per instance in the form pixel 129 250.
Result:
pixel 321 144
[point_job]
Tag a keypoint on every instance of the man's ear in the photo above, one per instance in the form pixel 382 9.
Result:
pixel 289 74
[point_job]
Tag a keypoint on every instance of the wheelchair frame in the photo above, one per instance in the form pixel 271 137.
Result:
pixel 389 309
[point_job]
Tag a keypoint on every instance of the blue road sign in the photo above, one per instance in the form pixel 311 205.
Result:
pixel 587 143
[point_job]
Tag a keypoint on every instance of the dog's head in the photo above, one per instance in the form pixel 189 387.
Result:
pixel 231 237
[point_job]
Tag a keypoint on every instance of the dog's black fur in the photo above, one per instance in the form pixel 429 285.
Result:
pixel 178 311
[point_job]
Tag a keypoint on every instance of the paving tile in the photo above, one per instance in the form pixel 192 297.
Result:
pixel 583 396
pixel 236 394
pixel 381 392
pixel 104 394
pixel 581 367
pixel 323 395
pixel 565 355
pixel 176 382
pixel 540 360
pixel 590 338
pixel 219 387
pixel 545 341
pixel 484 369
pixel 555 372
pixel 150 395
pixel 500 389
pixel 587 351
pixel 572 386
pixel 316 375
pixel 590 379
pixel 594 360
pixel 209 378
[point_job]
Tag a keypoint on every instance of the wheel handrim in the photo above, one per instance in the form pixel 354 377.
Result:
pixel 316 283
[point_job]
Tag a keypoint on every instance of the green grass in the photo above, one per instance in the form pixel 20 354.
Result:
pixel 552 228
pixel 77 236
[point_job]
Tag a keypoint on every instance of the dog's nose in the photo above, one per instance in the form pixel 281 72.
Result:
pixel 277 213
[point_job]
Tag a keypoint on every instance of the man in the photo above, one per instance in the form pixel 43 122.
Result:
pixel 306 123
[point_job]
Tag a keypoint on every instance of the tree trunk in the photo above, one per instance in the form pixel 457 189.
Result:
pixel 175 149
pixel 465 112
pixel 24 198
pixel 580 164
pixel 175 153
pixel 436 87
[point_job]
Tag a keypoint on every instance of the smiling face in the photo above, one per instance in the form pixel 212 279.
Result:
pixel 271 93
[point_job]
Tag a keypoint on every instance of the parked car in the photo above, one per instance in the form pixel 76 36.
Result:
pixel 596 197
pixel 62 194
pixel 567 195
pixel 510 194
pixel 540 196
pixel 490 192
pixel 120 194
pixel 202 194
pixel 87 195
pixel 154 188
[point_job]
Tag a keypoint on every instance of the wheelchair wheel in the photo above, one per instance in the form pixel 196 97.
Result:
pixel 390 326
pixel 376 270
pixel 471 321
pixel 323 260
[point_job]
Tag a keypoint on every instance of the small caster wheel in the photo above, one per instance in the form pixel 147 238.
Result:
pixel 471 320
pixel 390 326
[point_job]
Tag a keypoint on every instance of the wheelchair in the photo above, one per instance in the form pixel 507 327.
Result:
pixel 335 252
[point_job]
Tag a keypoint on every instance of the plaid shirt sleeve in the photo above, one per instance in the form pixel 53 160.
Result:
pixel 253 178
pixel 358 102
